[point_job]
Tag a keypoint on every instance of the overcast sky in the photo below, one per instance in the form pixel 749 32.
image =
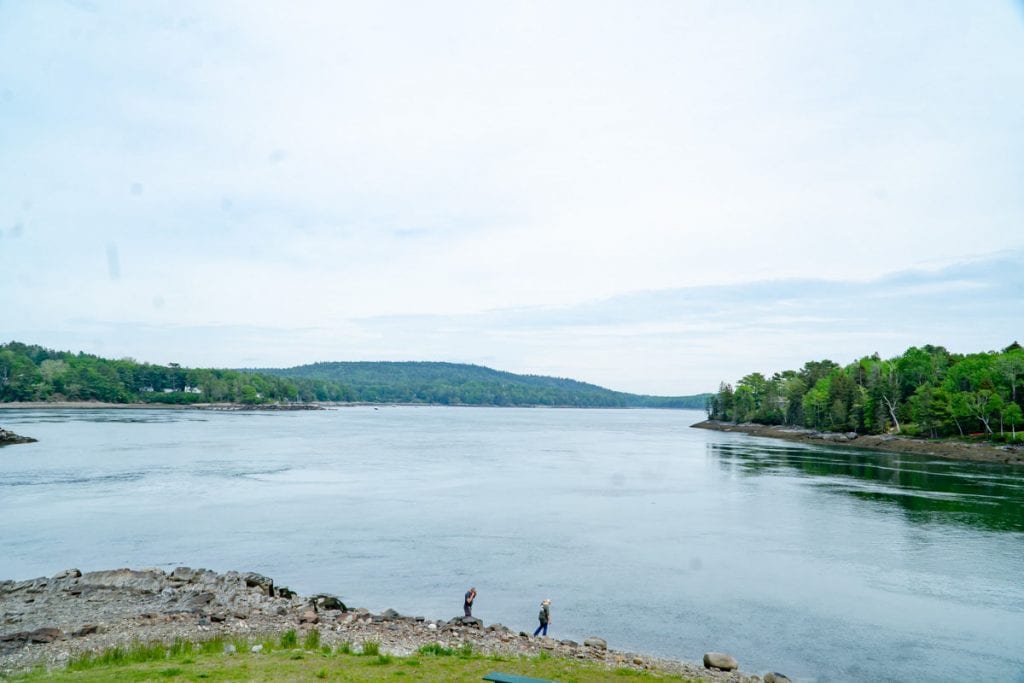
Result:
pixel 649 196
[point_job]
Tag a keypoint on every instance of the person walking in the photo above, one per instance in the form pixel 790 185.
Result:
pixel 467 606
pixel 544 617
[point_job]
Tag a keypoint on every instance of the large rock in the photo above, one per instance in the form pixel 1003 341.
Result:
pixel 776 677
pixel 197 601
pixel 264 583
pixel 720 660
pixel 596 643
pixel 182 575
pixel 7 437
pixel 67 574
pixel 328 602
pixel 40 636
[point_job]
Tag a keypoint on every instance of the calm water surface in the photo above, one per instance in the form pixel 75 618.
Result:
pixel 827 564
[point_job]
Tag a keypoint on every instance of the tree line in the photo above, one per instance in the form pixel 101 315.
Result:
pixel 34 373
pixel 926 391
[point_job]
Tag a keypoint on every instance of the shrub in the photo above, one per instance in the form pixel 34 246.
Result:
pixel 289 639
pixel 436 649
pixel 312 641
pixel 371 648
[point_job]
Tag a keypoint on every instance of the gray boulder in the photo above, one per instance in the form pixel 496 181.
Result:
pixel 264 583
pixel 182 575
pixel 7 437
pixel 39 636
pixel 596 643
pixel 197 601
pixel 67 574
pixel 776 677
pixel 720 660
pixel 328 602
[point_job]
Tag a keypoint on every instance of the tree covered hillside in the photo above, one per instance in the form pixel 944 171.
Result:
pixel 926 391
pixel 462 384
pixel 34 373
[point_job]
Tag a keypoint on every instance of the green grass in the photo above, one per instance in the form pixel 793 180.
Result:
pixel 206 661
pixel 289 640
pixel 436 649
pixel 312 640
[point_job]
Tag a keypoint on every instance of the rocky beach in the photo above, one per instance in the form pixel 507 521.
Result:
pixel 48 621
pixel 892 443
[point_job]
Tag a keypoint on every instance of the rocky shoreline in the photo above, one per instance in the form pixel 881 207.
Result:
pixel 7 438
pixel 891 443
pixel 47 621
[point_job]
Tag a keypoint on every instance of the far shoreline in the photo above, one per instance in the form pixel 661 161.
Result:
pixel 889 443
pixel 286 407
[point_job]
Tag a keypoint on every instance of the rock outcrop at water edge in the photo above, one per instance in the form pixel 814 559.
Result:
pixel 47 621
pixel 7 438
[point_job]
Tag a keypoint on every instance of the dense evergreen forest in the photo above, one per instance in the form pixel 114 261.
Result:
pixel 34 373
pixel 926 391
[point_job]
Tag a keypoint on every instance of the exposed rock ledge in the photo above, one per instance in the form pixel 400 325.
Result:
pixel 7 438
pixel 48 620
pixel 952 450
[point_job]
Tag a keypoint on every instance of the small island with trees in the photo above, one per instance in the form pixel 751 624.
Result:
pixel 956 405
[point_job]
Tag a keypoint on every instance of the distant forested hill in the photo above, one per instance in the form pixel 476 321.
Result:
pixel 461 384
pixel 34 373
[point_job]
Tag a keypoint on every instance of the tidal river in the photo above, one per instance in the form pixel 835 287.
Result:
pixel 826 564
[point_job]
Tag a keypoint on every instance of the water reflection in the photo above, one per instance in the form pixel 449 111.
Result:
pixel 925 490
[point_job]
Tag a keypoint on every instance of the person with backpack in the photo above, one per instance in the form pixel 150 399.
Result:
pixel 544 616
